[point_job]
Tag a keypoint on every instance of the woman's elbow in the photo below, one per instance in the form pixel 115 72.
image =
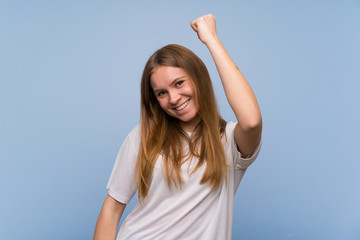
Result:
pixel 252 125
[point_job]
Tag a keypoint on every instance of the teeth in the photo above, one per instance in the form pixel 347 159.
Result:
pixel 182 105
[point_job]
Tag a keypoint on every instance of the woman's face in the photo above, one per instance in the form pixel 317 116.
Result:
pixel 175 93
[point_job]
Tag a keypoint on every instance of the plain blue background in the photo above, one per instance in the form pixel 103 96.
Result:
pixel 69 94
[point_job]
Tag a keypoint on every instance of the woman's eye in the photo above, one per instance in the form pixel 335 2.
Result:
pixel 179 83
pixel 161 93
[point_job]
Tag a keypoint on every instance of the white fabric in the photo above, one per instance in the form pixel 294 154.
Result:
pixel 193 212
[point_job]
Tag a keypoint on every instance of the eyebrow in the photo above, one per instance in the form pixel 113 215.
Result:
pixel 176 79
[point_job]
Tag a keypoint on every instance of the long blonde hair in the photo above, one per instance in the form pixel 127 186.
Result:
pixel 161 133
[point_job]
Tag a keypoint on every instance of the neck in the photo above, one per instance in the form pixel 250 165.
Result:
pixel 190 126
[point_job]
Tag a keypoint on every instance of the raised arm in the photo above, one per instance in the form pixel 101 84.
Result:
pixel 237 90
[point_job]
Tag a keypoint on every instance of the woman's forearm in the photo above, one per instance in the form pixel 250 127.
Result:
pixel 108 220
pixel 238 91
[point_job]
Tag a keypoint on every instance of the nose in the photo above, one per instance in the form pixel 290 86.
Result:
pixel 174 97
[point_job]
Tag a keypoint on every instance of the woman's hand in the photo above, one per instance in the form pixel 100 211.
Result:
pixel 205 27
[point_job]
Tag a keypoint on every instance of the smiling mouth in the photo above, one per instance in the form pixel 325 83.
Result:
pixel 182 106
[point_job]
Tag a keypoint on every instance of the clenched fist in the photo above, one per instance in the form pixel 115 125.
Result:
pixel 205 27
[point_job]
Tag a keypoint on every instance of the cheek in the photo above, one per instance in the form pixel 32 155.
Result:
pixel 194 97
pixel 162 103
pixel 192 89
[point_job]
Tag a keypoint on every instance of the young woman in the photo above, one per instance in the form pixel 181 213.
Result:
pixel 183 159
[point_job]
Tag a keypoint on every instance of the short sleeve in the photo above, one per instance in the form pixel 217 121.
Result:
pixel 121 185
pixel 238 160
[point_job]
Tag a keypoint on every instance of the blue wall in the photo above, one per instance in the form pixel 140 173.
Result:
pixel 69 94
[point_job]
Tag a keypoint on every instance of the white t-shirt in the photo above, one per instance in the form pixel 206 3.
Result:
pixel 192 212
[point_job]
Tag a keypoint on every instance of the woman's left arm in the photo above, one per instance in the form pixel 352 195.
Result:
pixel 237 90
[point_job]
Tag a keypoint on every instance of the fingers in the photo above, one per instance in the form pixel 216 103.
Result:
pixel 206 18
pixel 193 25
pixel 205 27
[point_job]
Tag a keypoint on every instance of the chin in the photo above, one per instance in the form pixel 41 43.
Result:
pixel 187 120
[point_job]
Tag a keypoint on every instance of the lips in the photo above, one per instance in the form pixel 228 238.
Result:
pixel 182 106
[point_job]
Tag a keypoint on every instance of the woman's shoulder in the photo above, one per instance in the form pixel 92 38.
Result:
pixel 135 131
pixel 230 127
pixel 134 135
